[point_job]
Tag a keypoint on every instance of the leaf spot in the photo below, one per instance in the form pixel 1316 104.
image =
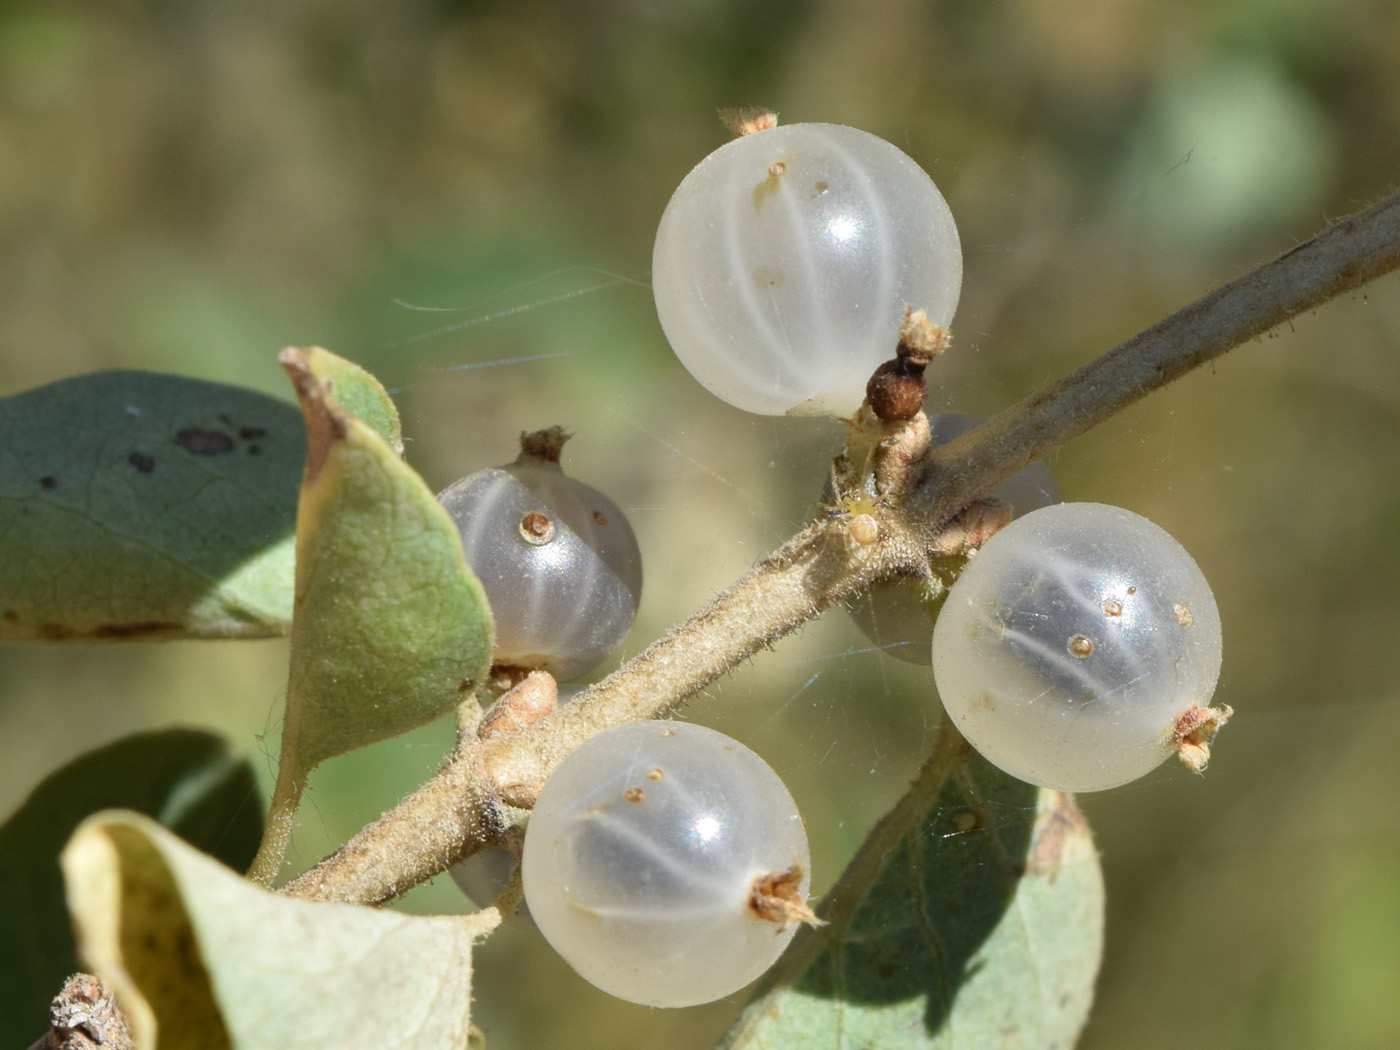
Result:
pixel 145 464
pixel 204 442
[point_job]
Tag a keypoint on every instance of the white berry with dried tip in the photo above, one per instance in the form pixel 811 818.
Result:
pixel 1080 648
pixel 558 560
pixel 666 863
pixel 785 261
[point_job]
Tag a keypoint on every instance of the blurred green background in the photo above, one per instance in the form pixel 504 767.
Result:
pixel 189 185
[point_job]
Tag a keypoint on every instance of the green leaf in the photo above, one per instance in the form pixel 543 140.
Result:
pixel 135 505
pixel 983 928
pixel 391 627
pixel 208 960
pixel 192 782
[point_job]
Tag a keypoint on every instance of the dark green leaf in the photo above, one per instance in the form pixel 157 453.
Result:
pixel 135 505
pixel 983 929
pixel 191 781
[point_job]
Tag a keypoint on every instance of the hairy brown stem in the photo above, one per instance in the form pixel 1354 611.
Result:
pixel 469 803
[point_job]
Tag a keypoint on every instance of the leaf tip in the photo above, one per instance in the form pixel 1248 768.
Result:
pixel 326 423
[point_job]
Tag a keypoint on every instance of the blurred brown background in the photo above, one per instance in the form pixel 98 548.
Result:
pixel 190 185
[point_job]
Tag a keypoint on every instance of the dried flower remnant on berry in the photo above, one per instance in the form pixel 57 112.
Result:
pixel 777 898
pixel 745 120
pixel 896 391
pixel 547 444
pixel 1195 730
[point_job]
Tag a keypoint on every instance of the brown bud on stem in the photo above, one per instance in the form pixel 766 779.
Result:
pixel 896 390
pixel 523 706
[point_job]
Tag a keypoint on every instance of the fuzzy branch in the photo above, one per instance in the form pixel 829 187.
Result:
pixel 471 803
pixel 1340 259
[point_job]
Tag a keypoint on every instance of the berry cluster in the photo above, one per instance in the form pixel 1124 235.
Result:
pixel 1076 649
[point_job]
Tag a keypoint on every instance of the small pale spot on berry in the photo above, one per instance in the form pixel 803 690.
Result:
pixel 654 774
pixel 777 168
pixel 634 794
pixel 600 517
pixel 536 529
pixel 1184 615
pixel 1079 646
pixel 1112 607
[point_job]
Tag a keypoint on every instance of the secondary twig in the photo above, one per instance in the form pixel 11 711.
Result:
pixel 1350 253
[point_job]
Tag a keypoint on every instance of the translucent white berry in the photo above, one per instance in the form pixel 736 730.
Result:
pixel 654 858
pixel 898 615
pixel 785 261
pixel 557 559
pixel 1074 643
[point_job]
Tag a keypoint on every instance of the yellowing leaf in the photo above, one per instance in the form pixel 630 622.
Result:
pixel 201 958
pixel 193 782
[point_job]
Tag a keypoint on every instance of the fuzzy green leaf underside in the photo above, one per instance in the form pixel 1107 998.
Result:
pixel 984 930
pixel 209 960
pixel 392 629
pixel 193 782
pixel 135 505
